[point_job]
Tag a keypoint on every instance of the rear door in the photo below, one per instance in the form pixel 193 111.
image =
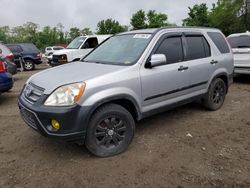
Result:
pixel 199 59
pixel 163 83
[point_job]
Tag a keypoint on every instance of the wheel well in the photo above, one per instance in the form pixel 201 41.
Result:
pixel 224 78
pixel 128 105
pixel 27 58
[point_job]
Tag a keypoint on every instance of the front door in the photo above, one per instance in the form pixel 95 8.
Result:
pixel 164 84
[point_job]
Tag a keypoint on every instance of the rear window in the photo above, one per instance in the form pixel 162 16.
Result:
pixel 48 49
pixel 15 49
pixel 198 47
pixel 219 41
pixel 29 47
pixel 242 41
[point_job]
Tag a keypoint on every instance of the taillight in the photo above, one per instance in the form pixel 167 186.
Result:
pixel 39 55
pixel 10 56
pixel 2 67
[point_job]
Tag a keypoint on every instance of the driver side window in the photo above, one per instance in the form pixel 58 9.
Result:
pixel 90 43
pixel 172 48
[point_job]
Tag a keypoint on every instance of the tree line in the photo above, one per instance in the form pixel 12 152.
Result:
pixel 230 16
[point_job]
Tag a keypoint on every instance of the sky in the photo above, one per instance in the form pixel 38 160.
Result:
pixel 87 13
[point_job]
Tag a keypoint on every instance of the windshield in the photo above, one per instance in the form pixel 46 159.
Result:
pixel 240 41
pixel 120 50
pixel 76 43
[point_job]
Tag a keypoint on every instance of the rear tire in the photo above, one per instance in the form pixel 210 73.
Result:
pixel 28 65
pixel 110 131
pixel 216 95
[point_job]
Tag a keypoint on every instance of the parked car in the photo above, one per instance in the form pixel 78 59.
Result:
pixel 10 66
pixel 77 49
pixel 6 52
pixel 240 43
pixel 6 81
pixel 29 53
pixel 128 77
pixel 51 49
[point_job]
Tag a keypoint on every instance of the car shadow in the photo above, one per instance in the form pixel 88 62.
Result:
pixel 243 79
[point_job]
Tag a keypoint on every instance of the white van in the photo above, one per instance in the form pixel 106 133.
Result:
pixel 77 49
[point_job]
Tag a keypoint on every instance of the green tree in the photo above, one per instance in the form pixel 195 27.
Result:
pixel 138 20
pixel 74 32
pixel 109 26
pixel 4 34
pixel 198 16
pixel 86 31
pixel 225 16
pixel 141 20
pixel 156 20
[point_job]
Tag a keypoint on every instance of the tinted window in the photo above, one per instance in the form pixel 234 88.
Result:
pixel 48 49
pixel 172 48
pixel 15 49
pixel 198 47
pixel 219 41
pixel 29 47
pixel 242 41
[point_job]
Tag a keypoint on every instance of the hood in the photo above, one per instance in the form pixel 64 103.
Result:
pixel 53 78
pixel 65 51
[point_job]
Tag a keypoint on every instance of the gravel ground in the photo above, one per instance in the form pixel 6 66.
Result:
pixel 184 147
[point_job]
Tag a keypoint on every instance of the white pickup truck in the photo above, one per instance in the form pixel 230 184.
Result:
pixel 77 49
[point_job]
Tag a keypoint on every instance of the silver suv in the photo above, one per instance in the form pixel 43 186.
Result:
pixel 130 76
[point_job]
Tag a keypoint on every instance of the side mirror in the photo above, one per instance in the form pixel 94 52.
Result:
pixel 157 60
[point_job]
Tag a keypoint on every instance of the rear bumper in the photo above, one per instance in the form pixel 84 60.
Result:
pixel 241 70
pixel 6 82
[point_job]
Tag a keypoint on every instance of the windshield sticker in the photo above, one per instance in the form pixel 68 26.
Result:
pixel 142 36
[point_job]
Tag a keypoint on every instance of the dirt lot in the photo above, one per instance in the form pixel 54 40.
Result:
pixel 185 147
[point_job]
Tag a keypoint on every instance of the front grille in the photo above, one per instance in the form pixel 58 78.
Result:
pixel 32 92
pixel 29 118
pixel 55 58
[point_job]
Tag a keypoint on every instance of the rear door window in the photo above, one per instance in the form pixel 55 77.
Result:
pixel 220 41
pixel 242 41
pixel 172 48
pixel 15 48
pixel 197 47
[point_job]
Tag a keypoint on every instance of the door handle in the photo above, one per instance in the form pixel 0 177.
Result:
pixel 182 68
pixel 213 62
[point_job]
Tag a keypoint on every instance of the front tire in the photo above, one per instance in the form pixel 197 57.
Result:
pixel 28 65
pixel 110 131
pixel 216 95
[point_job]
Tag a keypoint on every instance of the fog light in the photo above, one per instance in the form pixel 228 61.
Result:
pixel 55 124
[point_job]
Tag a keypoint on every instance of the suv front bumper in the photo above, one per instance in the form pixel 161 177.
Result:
pixel 73 120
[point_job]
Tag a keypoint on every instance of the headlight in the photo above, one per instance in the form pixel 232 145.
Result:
pixel 66 95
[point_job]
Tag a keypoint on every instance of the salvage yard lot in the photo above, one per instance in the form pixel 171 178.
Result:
pixel 184 147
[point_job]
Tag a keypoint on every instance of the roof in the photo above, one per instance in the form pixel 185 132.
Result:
pixel 239 34
pixel 155 30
